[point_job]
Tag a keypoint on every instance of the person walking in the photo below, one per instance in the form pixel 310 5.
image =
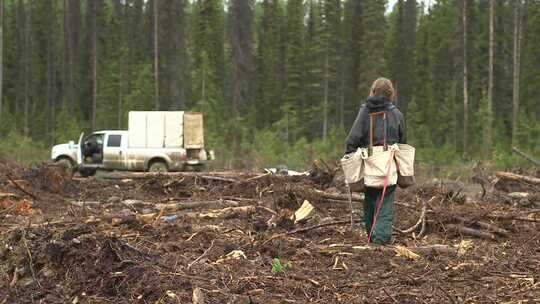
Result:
pixel 381 99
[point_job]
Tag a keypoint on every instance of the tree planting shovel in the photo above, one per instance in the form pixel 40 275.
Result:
pixel 351 206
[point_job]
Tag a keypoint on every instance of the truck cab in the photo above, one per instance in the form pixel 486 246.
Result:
pixel 159 147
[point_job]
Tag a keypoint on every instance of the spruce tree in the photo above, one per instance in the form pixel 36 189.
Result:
pixel 354 55
pixel 267 110
pixel 314 76
pixel 294 70
pixel 373 38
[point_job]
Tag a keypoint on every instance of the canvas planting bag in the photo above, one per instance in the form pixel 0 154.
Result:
pixel 405 163
pixel 374 166
pixel 379 166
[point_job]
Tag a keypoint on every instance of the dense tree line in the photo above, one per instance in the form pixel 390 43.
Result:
pixel 289 74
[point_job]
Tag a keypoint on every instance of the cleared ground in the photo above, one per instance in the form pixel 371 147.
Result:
pixel 215 238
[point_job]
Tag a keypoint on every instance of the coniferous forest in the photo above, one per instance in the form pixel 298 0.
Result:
pixel 278 81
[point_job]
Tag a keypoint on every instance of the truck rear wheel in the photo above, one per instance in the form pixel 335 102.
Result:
pixel 158 166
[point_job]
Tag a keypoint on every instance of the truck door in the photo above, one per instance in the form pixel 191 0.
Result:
pixel 79 150
pixel 113 152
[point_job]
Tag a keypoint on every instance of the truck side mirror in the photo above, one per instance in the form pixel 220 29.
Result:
pixel 71 144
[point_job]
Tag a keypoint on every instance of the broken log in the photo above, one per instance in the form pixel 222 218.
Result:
pixel 472 232
pixel 493 228
pixel 484 225
pixel 172 207
pixel 422 250
pixel 527 157
pixel 526 216
pixel 222 176
pixel 226 213
pixel 518 178
pixel 339 197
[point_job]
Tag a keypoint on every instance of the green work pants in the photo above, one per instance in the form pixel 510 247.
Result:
pixel 382 233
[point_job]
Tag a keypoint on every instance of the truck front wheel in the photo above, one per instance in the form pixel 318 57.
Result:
pixel 67 165
pixel 158 166
pixel 87 172
pixel 195 168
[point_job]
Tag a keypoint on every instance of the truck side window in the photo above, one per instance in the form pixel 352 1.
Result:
pixel 114 140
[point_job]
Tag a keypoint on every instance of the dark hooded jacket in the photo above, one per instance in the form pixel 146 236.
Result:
pixel 359 135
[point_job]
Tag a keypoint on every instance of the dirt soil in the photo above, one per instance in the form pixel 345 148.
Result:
pixel 231 237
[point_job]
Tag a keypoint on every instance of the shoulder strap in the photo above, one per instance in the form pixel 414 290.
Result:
pixel 371 131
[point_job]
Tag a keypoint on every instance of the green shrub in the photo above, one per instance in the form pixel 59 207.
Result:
pixel 16 147
pixel 279 267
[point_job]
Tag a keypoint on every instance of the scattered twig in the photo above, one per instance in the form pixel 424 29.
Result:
pixel 30 261
pixel 446 294
pixel 257 177
pixel 205 253
pixel 390 296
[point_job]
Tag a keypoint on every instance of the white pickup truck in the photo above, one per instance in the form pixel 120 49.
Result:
pixel 156 141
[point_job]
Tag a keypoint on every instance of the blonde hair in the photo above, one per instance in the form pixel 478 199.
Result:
pixel 382 87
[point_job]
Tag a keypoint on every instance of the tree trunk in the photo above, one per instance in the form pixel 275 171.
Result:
pixel 71 36
pixel 465 83
pixel 49 64
pixel 123 25
pixel 156 55
pixel 94 63
pixel 65 60
pixel 516 59
pixel 1 54
pixel 489 126
pixel 325 102
pixel 27 63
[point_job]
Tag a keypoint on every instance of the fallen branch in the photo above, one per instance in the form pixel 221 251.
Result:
pixel 420 220
pixel 527 157
pixel 518 178
pixel 306 229
pixel 19 187
pixel 217 178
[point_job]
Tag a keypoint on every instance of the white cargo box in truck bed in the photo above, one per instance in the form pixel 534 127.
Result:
pixel 171 129
pixel 155 141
